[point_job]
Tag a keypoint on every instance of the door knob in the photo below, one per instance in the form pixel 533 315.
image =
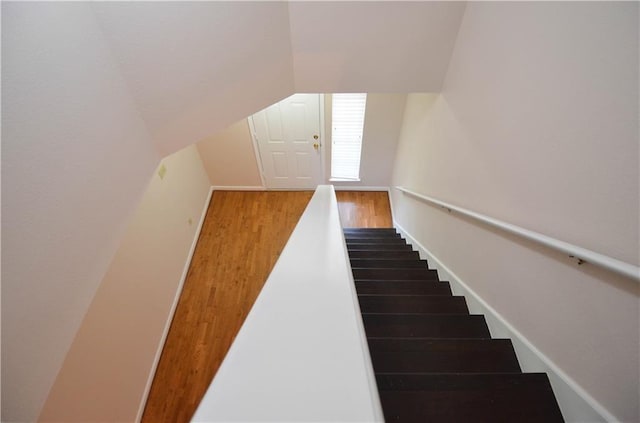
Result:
pixel 316 145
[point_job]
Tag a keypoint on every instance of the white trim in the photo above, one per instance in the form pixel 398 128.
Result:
pixel 290 189
pixel 393 216
pixel 576 404
pixel 344 180
pixel 167 326
pixel 256 149
pixel 323 141
pixel 583 255
pixel 237 188
pixel 359 188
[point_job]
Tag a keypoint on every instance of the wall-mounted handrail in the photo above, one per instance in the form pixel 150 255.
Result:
pixel 301 354
pixel 583 255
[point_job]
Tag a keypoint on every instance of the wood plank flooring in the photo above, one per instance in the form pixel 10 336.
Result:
pixel 364 209
pixel 241 239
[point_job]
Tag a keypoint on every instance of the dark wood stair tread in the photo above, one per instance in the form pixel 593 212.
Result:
pixel 375 263
pixel 434 362
pixel 392 274
pixel 495 397
pixel 379 247
pixel 369 230
pixel 360 235
pixel 403 325
pixel 384 255
pixel 412 304
pixel 418 355
pixel 376 240
pixel 400 287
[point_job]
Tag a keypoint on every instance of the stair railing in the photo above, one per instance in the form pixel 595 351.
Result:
pixel 582 255
pixel 301 354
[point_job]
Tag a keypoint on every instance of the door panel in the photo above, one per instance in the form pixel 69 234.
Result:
pixel 280 166
pixel 298 123
pixel 303 165
pixel 274 124
pixel 285 133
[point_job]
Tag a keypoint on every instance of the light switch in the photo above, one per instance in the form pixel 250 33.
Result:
pixel 162 171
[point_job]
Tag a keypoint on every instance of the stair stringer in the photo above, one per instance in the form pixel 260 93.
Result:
pixel 575 403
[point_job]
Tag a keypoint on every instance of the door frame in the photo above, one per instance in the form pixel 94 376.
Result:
pixel 256 150
pixel 323 144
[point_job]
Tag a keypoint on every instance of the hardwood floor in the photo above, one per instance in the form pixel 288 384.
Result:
pixel 241 239
pixel 364 209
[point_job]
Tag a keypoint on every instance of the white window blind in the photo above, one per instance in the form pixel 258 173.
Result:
pixel 346 135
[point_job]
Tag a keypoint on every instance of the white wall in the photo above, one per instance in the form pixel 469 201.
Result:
pixel 382 124
pixel 229 157
pixel 105 373
pixel 538 125
pixel 76 158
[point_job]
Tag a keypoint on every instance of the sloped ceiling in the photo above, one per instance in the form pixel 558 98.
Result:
pixel 394 47
pixel 196 67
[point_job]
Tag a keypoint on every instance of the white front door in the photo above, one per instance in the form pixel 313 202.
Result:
pixel 288 139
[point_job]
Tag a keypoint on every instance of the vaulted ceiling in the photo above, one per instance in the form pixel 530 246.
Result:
pixel 196 67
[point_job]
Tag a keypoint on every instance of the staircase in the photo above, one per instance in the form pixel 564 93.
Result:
pixel 432 359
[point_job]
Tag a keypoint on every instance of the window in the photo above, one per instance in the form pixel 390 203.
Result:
pixel 346 135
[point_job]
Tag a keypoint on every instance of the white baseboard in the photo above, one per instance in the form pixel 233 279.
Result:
pixel 167 326
pixel 237 188
pixel 261 188
pixel 575 403
pixel 393 216
pixel 359 188
pixel 290 189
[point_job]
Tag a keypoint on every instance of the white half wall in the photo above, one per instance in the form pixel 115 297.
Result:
pixel 76 158
pixel 537 125
pixel 301 354
pixel 112 358
pixel 229 157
